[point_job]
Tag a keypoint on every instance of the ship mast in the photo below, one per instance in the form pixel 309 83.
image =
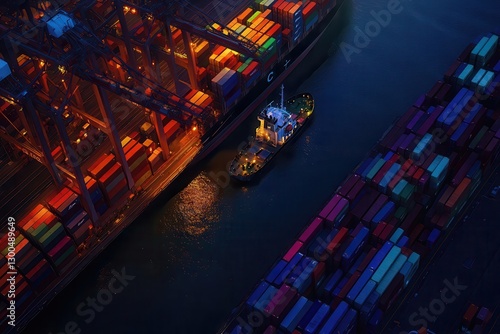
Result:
pixel 282 95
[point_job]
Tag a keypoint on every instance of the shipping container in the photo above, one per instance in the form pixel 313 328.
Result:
pixel 318 319
pixel 257 293
pixel 265 298
pixel 359 285
pixel 281 303
pixel 311 230
pixel 288 269
pixel 386 264
pixel 298 311
pixel 335 318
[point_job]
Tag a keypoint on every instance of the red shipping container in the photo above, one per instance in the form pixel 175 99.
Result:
pixel 348 286
pixel 319 272
pixel 392 292
pixel 117 193
pixel 251 69
pixel 369 256
pixel 171 127
pixel 458 194
pixel 384 235
pixel 111 174
pixel 378 230
pixel 337 240
pixel 469 315
pixel 275 30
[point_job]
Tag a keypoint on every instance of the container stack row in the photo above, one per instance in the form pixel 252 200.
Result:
pixel 49 238
pixel 263 26
pixel 137 160
pixel 349 265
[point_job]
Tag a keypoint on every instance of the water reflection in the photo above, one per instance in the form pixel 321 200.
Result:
pixel 196 208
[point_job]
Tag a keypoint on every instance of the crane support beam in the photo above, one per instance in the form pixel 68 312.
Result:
pixel 217 38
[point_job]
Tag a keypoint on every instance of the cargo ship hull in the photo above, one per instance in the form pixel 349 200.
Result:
pixel 302 106
pixel 265 86
pixel 386 222
pixel 193 155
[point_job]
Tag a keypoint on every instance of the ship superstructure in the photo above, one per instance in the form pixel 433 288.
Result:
pixel 277 126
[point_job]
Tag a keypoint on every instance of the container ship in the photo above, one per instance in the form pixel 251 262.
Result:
pixel 278 126
pixel 362 249
pixel 104 103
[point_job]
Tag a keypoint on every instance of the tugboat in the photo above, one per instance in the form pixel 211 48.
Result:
pixel 278 125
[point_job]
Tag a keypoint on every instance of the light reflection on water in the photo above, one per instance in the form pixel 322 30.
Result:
pixel 196 208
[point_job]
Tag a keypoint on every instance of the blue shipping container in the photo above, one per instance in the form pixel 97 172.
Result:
pixel 257 293
pixel 318 319
pixel 276 270
pixel 348 324
pixel 359 285
pixel 335 319
pixel 380 256
pixel 364 294
pixel 309 315
pixel 385 212
pixel 298 311
pixel 289 267
pixel 354 247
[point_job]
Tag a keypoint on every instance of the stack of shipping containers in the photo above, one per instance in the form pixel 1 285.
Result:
pixel 58 228
pixel 362 249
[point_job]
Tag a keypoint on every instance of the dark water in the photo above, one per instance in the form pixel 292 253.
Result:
pixel 197 255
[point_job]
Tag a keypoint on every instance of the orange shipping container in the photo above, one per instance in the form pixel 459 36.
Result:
pixel 257 36
pixel 246 32
pixel 262 40
pixel 201 48
pixel 245 15
pixel 251 34
pixel 261 26
pixel 256 22
pixel 30 215
pixel 293 11
pixel 266 14
pixel 458 193
pixel 35 219
pixel 196 97
pixel 207 102
pixel 134 153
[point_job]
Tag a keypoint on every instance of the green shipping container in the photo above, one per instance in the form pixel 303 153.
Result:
pixel 407 193
pixel 371 174
pixel 401 213
pixel 253 17
pixel 268 49
pixel 64 256
pixel 51 234
pixel 40 231
pixel 478 138
pixel 398 189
